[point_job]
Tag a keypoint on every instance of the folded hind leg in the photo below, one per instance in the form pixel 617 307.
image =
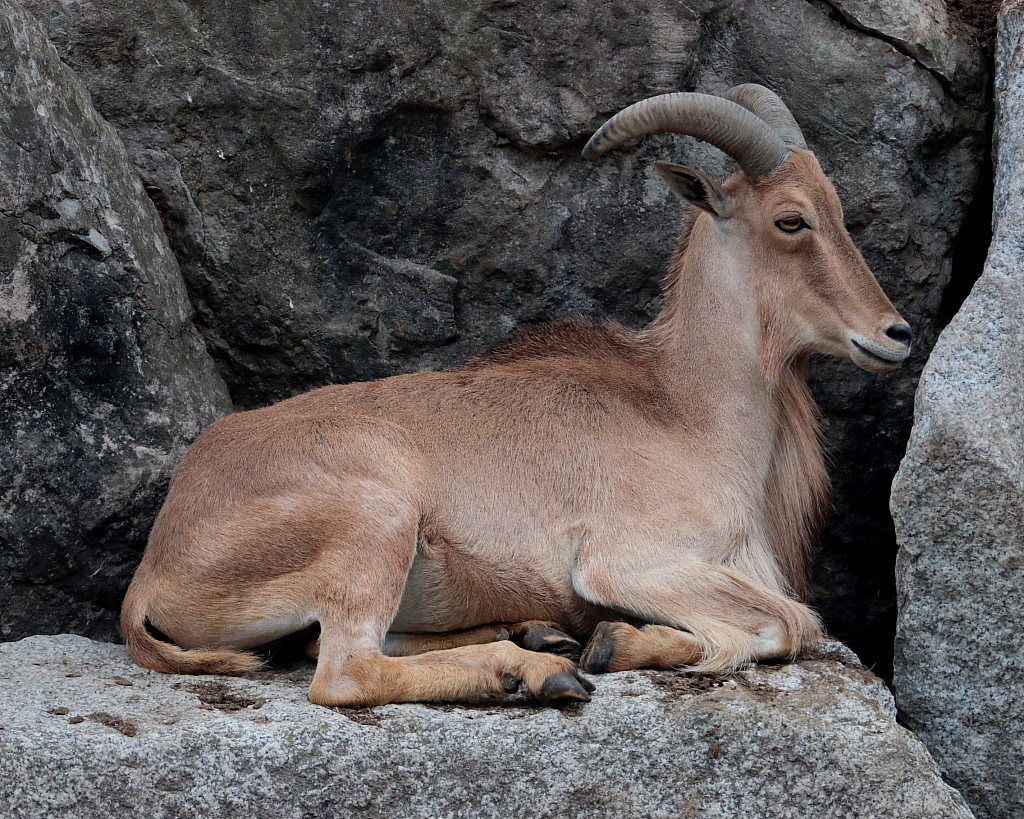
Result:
pixel 543 635
pixel 533 635
pixel 465 674
pixel 402 644
pixel 356 600
pixel 355 672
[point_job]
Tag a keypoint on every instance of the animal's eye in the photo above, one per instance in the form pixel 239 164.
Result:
pixel 790 224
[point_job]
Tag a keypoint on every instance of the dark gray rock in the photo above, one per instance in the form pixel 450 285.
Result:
pixel 87 734
pixel 958 502
pixel 355 189
pixel 103 379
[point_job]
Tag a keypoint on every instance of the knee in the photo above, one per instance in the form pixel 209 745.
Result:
pixel 360 684
pixel 795 629
pixel 339 691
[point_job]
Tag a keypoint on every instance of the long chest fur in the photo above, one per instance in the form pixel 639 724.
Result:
pixel 797 487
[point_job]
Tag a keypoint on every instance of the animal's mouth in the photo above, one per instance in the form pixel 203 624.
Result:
pixel 895 359
pixel 874 357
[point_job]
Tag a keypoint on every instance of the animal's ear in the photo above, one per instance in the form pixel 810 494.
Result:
pixel 696 188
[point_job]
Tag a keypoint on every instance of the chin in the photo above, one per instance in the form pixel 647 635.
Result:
pixel 873 364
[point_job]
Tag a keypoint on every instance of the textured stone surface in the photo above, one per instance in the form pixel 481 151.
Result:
pixel 958 502
pixel 355 189
pixel 85 733
pixel 920 30
pixel 103 380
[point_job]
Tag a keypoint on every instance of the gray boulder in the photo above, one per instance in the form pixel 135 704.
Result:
pixel 958 503
pixel 85 733
pixel 103 379
pixel 361 188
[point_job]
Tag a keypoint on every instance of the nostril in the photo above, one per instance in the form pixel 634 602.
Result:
pixel 900 333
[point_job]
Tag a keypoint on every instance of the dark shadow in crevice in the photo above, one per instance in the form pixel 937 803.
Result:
pixel 970 247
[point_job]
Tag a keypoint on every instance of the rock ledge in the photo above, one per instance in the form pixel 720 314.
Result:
pixel 86 733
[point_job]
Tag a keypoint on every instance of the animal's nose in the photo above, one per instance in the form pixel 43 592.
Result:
pixel 900 333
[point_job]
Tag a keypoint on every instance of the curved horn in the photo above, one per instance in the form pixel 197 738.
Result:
pixel 768 106
pixel 722 123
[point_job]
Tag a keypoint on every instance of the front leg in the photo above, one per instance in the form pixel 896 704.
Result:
pixel 618 646
pixel 705 616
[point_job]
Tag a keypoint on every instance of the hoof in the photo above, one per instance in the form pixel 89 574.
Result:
pixel 600 651
pixel 539 637
pixel 510 683
pixel 565 688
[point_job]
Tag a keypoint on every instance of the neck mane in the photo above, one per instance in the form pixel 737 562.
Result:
pixel 726 351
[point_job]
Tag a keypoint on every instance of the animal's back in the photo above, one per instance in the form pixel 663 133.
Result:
pixel 545 393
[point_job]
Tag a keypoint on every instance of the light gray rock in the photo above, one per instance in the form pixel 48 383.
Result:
pixel 920 30
pixel 958 503
pixel 85 733
pixel 103 379
pixel 364 187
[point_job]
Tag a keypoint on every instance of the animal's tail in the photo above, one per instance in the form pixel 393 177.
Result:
pixel 150 652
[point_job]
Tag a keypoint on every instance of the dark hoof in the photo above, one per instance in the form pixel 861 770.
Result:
pixel 539 637
pixel 565 688
pixel 597 658
pixel 510 683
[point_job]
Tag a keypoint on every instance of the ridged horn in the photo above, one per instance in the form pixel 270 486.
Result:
pixel 729 127
pixel 769 106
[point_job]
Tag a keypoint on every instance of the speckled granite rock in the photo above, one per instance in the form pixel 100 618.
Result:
pixel 103 379
pixel 958 503
pixel 85 733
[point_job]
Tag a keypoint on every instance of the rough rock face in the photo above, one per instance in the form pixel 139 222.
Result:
pixel 958 502
pixel 355 189
pixel 88 734
pixel 103 380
